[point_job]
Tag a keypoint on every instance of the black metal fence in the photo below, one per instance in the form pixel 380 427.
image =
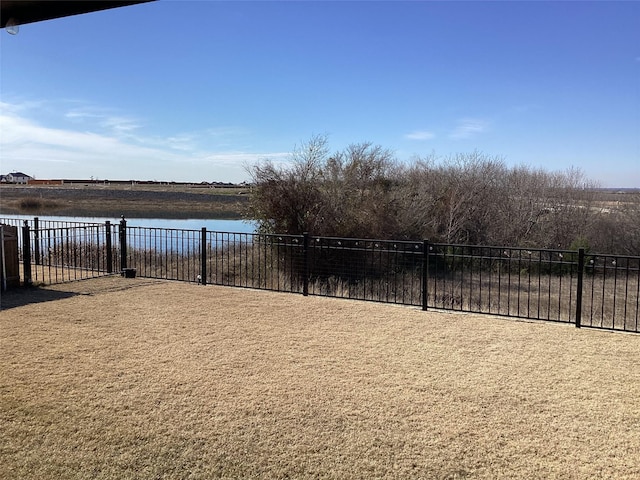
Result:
pixel 599 291
pixel 55 252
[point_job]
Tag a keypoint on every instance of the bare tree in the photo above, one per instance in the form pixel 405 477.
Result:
pixel 472 198
pixel 287 199
pixel 345 194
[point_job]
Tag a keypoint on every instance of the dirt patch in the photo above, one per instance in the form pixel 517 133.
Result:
pixel 137 378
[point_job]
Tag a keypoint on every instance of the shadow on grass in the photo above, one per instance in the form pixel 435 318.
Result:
pixel 19 297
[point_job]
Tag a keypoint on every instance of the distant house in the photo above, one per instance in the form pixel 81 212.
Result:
pixel 16 177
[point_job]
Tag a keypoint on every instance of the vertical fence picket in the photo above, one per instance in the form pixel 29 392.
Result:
pixel 579 287
pixel 36 240
pixel 108 247
pixel 26 253
pixel 203 256
pixel 123 244
pixel 305 259
pixel 425 275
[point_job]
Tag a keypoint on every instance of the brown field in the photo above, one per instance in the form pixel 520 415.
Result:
pixel 136 201
pixel 136 378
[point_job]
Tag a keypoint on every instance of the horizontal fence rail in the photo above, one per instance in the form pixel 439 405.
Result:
pixel 586 289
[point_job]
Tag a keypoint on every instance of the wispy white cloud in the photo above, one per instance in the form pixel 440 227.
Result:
pixel 81 116
pixel 468 127
pixel 120 125
pixel 103 121
pixel 20 107
pixel 420 135
pixel 111 146
pixel 244 159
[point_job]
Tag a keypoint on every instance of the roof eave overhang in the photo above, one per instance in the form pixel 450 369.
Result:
pixel 21 12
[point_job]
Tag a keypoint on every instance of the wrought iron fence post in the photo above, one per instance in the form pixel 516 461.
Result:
pixel 36 236
pixel 305 255
pixel 26 253
pixel 579 287
pixel 425 273
pixel 123 244
pixel 203 256
pixel 107 236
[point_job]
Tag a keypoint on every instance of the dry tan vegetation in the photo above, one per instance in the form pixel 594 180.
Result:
pixel 152 201
pixel 137 378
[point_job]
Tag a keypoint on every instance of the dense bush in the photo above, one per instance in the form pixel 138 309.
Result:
pixel 470 198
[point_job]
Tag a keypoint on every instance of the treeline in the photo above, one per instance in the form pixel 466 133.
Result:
pixel 364 192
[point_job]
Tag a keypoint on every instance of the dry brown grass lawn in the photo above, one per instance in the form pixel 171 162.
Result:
pixel 131 378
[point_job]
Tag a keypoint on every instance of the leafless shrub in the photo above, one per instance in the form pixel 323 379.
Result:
pixel 467 198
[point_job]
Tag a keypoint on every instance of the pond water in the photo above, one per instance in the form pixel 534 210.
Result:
pixel 215 225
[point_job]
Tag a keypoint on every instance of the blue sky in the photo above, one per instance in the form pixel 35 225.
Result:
pixel 197 90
